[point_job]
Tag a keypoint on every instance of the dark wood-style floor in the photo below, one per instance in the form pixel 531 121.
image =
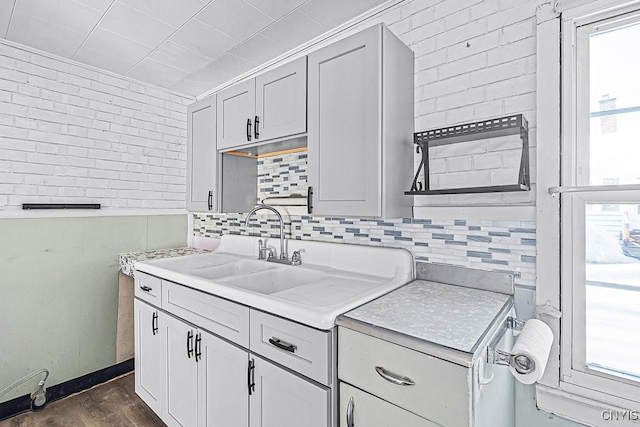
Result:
pixel 113 404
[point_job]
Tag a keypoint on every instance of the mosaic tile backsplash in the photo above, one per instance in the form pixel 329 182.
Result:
pixel 282 175
pixel 490 245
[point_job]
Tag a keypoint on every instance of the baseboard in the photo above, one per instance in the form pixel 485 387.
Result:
pixel 22 404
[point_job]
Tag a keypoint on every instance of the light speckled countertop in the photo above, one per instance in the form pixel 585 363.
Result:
pixel 127 260
pixel 450 316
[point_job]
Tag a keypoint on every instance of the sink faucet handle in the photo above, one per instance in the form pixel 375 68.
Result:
pixel 270 253
pixel 296 259
pixel 260 249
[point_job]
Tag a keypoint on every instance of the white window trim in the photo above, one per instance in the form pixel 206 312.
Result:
pixel 554 393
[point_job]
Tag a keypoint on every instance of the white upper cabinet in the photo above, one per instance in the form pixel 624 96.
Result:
pixel 272 105
pixel 281 101
pixel 201 155
pixel 236 111
pixel 360 126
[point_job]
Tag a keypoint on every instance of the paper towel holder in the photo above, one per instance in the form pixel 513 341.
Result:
pixel 522 364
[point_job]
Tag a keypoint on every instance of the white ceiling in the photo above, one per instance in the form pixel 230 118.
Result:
pixel 190 46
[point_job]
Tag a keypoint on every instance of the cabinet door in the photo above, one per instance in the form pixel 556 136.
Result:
pixel 236 107
pixel 281 101
pixel 148 361
pixel 223 396
pixel 282 399
pixel 181 397
pixel 202 159
pixel 358 408
pixel 344 122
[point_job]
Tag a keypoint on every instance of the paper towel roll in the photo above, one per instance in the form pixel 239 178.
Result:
pixel 534 342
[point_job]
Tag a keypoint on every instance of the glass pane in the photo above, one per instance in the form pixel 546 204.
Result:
pixel 613 288
pixel 614 105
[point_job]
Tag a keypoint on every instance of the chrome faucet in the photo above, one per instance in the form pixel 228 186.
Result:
pixel 283 255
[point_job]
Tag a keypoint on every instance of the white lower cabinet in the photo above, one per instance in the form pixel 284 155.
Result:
pixel 439 390
pixel 283 399
pixel 223 396
pixel 180 407
pixel 205 378
pixel 194 378
pixel 358 408
pixel 148 347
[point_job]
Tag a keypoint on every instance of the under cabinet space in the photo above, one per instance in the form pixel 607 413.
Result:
pixel 239 177
pixel 273 173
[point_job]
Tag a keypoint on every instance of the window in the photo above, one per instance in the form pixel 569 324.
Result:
pixel 600 205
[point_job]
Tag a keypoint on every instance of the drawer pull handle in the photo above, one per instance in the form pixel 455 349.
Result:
pixel 146 288
pixel 283 345
pixel 393 378
pixel 350 408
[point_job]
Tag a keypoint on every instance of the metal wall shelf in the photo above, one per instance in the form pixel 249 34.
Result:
pixel 494 128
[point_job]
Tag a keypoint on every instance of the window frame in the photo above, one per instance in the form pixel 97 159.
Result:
pixel 580 395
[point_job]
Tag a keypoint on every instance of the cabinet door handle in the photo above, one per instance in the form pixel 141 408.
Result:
pixel 210 200
pixel 146 288
pixel 248 129
pixel 283 345
pixel 251 379
pixel 310 200
pixel 198 347
pixel 189 344
pixel 154 323
pixel 393 378
pixel 350 408
pixel 256 131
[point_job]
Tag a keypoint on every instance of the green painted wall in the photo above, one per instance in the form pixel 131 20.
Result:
pixel 59 290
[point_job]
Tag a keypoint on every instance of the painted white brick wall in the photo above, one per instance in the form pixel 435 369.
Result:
pixel 475 60
pixel 72 134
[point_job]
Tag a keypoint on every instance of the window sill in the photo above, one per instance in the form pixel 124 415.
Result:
pixel 587 406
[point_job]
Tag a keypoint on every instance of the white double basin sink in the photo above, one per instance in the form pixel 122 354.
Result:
pixel 259 276
pixel 332 279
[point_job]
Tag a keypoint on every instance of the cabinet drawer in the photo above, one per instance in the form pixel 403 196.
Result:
pixel 441 392
pixel 224 318
pixel 370 411
pixel 148 288
pixel 298 347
